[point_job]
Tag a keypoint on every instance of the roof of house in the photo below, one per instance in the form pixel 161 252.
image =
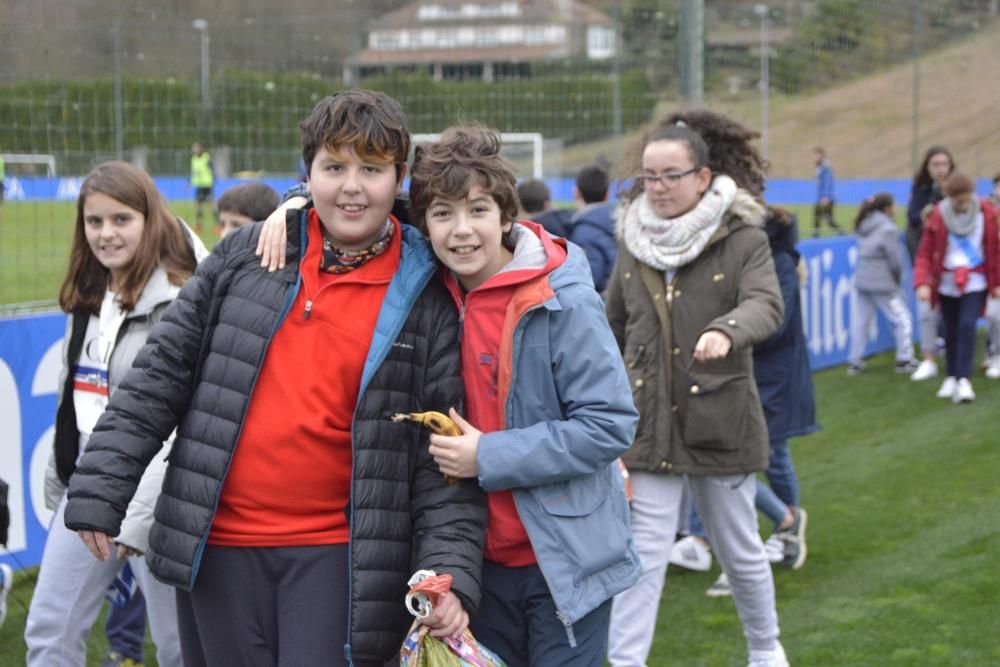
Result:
pixel 373 57
pixel 531 12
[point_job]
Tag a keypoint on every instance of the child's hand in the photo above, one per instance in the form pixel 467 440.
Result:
pixel 924 293
pixel 448 618
pixel 456 454
pixel 97 542
pixel 273 239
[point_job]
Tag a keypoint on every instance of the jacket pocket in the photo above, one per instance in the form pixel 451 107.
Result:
pixel 588 518
pixel 716 412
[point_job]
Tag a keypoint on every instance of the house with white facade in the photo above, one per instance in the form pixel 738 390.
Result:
pixel 482 39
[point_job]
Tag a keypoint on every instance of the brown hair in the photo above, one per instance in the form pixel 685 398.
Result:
pixel 713 141
pixel 370 122
pixel 958 183
pixel 254 200
pixel 923 175
pixel 163 242
pixel 449 167
pixel 881 201
pixel 534 195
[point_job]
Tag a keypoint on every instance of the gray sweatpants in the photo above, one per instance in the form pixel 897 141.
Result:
pixel 866 304
pixel 69 594
pixel 726 506
pixel 928 317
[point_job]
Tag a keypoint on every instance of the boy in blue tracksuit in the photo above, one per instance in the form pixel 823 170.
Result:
pixel 824 193
pixel 549 396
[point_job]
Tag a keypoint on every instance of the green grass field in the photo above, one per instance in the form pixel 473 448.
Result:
pixel 35 239
pixel 903 496
pixel 34 247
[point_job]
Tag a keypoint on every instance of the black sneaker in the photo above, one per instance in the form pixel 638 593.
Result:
pixel 794 539
pixel 906 367
pixel 855 369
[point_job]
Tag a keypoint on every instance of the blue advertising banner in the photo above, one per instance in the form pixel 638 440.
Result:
pixel 779 190
pixel 828 296
pixel 30 361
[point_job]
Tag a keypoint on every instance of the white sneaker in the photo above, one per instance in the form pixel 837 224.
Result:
pixel 774 547
pixel 6 581
pixel 773 658
pixel 993 368
pixel 925 371
pixel 947 389
pixel 691 553
pixel 720 588
pixel 963 392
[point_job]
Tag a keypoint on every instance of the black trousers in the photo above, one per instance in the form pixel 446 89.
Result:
pixel 517 621
pixel 266 607
pixel 824 212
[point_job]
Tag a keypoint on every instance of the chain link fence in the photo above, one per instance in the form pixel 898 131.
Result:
pixel 874 82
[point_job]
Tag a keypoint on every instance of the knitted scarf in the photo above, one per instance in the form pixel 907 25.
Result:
pixel 338 260
pixel 960 224
pixel 666 244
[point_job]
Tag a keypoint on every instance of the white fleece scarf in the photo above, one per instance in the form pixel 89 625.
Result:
pixel 670 243
pixel 960 224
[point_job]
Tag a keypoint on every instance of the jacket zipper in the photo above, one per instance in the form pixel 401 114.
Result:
pixel 311 300
pixel 670 358
pixel 416 292
pixel 570 635
pixel 286 308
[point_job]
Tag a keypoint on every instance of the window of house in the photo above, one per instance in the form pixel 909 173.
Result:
pixel 600 42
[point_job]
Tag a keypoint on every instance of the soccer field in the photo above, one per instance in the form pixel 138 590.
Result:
pixel 903 500
pixel 35 238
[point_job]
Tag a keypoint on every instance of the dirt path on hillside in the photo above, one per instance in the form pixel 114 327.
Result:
pixel 867 125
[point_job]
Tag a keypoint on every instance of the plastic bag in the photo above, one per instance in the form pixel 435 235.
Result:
pixel 420 649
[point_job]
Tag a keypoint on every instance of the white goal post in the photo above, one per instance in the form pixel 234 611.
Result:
pixel 533 138
pixel 31 158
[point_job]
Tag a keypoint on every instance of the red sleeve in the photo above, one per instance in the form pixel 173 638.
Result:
pixel 991 245
pixel 928 241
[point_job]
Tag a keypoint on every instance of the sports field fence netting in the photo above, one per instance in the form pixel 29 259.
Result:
pixel 875 82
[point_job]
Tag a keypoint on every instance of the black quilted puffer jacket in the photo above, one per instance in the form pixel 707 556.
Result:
pixel 197 374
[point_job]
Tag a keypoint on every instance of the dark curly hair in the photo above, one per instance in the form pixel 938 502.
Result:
pixel 449 167
pixel 714 141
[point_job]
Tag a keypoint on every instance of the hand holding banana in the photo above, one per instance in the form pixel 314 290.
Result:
pixel 454 441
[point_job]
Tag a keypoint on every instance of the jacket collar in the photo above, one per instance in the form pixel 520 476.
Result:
pixel 158 290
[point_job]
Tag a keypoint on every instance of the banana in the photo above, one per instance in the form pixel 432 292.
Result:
pixel 437 422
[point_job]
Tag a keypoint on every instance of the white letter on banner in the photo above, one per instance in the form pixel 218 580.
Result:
pixel 46 381
pixel 11 469
pixel 815 333
pixel 827 299
pixel 69 188
pixel 14 189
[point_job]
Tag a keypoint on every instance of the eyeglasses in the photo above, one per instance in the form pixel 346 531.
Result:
pixel 668 180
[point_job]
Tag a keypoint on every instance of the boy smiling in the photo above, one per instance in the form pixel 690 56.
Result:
pixel 550 400
pixel 286 472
